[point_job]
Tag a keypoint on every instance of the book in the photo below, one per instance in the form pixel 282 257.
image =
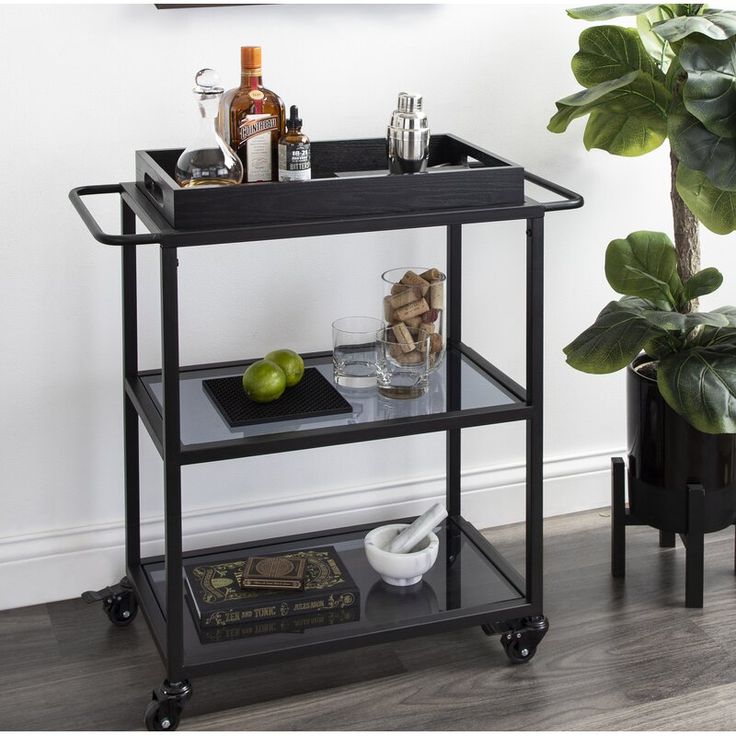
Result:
pixel 218 599
pixel 274 571
pixel 286 625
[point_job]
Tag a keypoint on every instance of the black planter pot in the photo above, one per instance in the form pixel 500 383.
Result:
pixel 666 453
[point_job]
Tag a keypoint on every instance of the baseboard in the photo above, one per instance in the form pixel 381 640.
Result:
pixel 69 561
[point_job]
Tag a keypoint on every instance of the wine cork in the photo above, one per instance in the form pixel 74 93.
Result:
pixel 412 279
pixel 403 298
pixel 437 295
pixel 413 322
pixel 411 358
pixel 430 315
pixel 414 309
pixel 435 343
pixel 433 274
pixel 403 337
pixel 388 310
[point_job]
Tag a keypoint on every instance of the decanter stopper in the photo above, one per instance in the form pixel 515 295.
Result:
pixel 208 161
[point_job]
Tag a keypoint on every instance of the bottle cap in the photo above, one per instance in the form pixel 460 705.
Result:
pixel 207 83
pixel 250 57
pixel 294 120
pixel 410 102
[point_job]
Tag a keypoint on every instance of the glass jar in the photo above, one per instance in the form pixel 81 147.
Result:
pixel 415 296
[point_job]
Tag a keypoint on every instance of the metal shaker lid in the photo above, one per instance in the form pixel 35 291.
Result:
pixel 409 102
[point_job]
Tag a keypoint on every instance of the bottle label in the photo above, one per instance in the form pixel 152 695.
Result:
pixel 254 133
pixel 295 162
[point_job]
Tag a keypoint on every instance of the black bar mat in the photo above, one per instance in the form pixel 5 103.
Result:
pixel 313 396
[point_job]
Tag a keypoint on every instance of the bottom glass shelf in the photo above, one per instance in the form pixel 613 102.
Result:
pixel 463 582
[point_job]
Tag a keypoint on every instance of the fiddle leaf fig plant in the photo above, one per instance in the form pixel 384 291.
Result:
pixel 694 353
pixel 672 77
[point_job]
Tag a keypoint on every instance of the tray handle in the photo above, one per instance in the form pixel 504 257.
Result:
pixel 93 226
pixel 572 200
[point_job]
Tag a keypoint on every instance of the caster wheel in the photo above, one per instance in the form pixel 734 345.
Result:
pixel 517 650
pixel 121 608
pixel 162 716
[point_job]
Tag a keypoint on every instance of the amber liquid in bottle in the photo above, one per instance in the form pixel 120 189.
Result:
pixel 252 119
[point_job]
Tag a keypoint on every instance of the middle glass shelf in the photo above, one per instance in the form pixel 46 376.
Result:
pixel 465 391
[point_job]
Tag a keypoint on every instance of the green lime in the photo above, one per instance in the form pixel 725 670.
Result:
pixel 264 381
pixel 291 364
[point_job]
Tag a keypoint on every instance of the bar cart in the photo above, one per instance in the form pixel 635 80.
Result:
pixel 471 583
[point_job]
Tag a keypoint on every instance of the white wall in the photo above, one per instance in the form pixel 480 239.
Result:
pixel 85 86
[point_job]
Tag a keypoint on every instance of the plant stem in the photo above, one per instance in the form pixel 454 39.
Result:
pixel 687 236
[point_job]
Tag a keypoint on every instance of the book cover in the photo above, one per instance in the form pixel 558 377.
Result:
pixel 274 571
pixel 286 625
pixel 219 600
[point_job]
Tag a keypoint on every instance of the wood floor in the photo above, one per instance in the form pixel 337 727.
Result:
pixel 620 655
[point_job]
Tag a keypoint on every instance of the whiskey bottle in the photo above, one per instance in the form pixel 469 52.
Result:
pixel 252 119
pixel 295 162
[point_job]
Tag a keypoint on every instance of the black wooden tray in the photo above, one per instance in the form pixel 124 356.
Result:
pixel 484 180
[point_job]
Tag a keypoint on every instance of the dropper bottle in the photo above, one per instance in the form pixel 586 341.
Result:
pixel 295 157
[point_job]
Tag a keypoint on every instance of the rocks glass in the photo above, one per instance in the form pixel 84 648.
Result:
pixel 415 298
pixel 403 362
pixel 354 351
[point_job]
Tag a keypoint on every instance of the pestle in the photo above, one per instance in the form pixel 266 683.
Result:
pixel 419 528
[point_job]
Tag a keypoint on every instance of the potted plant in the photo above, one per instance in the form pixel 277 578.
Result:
pixel 673 77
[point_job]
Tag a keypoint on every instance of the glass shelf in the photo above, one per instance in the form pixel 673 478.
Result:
pixel 463 582
pixel 473 390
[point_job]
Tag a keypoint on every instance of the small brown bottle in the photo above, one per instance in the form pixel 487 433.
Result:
pixel 295 157
pixel 252 119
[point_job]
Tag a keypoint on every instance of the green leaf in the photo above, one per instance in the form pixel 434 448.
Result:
pixel 702 283
pixel 676 322
pixel 715 208
pixel 659 49
pixel 611 342
pixel 630 114
pixel 700 385
pixel 668 321
pixel 716 24
pixel 710 90
pixel 659 346
pixel 606 12
pixel 699 149
pixel 641 263
pixel 664 290
pixel 730 314
pixel 718 338
pixel 711 319
pixel 609 52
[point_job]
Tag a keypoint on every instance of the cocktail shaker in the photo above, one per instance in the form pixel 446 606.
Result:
pixel 408 136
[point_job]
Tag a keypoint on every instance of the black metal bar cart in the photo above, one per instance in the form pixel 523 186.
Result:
pixel 471 583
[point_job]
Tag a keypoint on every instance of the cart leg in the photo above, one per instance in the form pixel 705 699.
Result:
pixel 618 517
pixel 667 539
pixel 695 548
pixel 534 396
pixel 169 700
pixel 454 327
pixel 163 713
pixel 130 372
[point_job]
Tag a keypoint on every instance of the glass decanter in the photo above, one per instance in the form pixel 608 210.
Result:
pixel 208 161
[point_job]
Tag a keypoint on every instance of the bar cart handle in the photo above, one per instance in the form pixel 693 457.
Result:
pixel 93 226
pixel 572 200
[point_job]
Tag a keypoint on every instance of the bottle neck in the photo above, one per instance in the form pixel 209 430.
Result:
pixel 251 78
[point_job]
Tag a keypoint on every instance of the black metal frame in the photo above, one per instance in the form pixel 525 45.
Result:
pixel 165 430
pixel 693 540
